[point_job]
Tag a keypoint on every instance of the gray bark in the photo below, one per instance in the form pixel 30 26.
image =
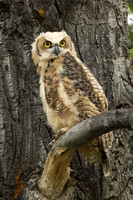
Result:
pixel 100 33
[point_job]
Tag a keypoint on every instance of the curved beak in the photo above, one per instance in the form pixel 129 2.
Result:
pixel 56 50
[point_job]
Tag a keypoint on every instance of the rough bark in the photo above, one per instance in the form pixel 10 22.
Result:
pixel 99 30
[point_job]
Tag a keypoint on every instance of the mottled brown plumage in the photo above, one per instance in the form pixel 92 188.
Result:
pixel 70 93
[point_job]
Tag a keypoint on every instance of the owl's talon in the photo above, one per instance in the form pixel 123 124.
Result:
pixel 61 132
pixel 57 136
pixel 51 143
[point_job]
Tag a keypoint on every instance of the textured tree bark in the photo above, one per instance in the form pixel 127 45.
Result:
pixel 100 33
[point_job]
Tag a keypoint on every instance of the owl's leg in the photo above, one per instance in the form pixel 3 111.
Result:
pixel 59 134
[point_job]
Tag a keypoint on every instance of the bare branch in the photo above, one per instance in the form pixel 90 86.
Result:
pixel 56 171
pixel 93 127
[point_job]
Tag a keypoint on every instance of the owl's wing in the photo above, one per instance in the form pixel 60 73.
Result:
pixel 77 79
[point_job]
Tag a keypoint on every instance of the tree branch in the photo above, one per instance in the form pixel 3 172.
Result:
pixel 56 171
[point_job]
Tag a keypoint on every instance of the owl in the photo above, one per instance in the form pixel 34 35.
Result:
pixel 70 93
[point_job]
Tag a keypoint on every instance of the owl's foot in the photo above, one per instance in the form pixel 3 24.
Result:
pixel 58 135
pixel 61 132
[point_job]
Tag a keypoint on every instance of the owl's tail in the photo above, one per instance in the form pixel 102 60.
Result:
pixel 106 168
pixel 105 142
pixel 93 153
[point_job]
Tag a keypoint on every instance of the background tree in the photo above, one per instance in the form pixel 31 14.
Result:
pixel 130 19
pixel 100 33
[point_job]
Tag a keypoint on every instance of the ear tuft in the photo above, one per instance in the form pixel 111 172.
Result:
pixel 64 31
pixel 35 55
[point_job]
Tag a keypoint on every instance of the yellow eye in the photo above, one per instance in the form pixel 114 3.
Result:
pixel 62 43
pixel 47 44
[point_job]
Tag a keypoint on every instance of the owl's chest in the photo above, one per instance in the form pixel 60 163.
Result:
pixel 51 79
pixel 57 102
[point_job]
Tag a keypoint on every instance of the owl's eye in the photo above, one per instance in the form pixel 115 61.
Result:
pixel 62 43
pixel 47 44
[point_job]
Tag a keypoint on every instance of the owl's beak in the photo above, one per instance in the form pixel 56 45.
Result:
pixel 56 50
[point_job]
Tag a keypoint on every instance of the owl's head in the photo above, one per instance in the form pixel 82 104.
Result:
pixel 51 45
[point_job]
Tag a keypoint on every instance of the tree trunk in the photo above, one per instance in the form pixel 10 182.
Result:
pixel 100 33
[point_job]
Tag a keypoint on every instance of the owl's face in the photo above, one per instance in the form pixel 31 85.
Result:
pixel 51 45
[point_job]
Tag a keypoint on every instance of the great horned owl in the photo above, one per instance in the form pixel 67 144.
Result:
pixel 70 93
